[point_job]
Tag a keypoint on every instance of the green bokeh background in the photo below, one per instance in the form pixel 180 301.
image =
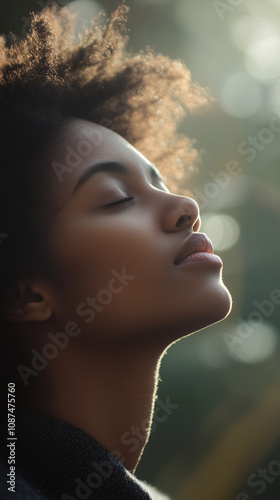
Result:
pixel 226 428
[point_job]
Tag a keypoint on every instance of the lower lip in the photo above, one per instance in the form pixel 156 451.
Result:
pixel 210 258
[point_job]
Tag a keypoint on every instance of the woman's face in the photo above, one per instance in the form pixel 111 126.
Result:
pixel 116 241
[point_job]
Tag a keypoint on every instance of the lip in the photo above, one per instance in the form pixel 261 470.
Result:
pixel 197 248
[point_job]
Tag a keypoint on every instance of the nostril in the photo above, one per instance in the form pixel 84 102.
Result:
pixel 183 219
pixel 197 225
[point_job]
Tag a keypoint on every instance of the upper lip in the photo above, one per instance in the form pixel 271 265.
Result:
pixel 197 242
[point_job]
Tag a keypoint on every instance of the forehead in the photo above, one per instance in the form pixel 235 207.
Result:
pixel 80 144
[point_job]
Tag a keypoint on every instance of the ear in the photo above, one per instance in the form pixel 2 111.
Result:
pixel 29 300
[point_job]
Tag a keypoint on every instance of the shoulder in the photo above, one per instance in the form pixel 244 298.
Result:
pixel 154 493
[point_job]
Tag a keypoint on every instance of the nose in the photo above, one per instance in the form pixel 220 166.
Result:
pixel 182 212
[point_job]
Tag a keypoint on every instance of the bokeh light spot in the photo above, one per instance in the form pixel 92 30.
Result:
pixel 86 10
pixel 244 28
pixel 258 346
pixel 262 54
pixel 223 230
pixel 241 95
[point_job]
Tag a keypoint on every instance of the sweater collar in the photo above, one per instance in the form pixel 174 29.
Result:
pixel 65 463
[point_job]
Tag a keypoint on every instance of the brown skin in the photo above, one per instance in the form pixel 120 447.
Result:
pixel 105 380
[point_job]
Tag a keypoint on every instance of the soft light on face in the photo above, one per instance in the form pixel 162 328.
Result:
pixel 115 241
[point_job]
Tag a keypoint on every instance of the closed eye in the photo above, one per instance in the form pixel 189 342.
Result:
pixel 123 200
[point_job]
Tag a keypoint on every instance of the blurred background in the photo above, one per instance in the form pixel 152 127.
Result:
pixel 220 439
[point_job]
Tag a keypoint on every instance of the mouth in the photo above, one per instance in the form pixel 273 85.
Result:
pixel 197 248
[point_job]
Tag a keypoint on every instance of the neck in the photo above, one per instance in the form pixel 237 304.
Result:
pixel 108 394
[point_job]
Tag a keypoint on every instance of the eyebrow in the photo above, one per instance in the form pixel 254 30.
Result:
pixel 112 167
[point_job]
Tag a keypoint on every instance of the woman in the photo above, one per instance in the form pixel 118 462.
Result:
pixel 102 267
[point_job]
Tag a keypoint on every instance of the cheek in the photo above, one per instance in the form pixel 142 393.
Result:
pixel 114 278
pixel 89 253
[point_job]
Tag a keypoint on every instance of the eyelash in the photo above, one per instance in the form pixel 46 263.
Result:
pixel 119 202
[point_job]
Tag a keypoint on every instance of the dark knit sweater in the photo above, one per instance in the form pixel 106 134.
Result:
pixel 56 460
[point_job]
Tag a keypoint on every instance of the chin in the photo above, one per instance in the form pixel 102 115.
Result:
pixel 208 312
pixel 212 308
pixel 216 308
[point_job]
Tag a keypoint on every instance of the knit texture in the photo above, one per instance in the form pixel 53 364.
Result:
pixel 59 461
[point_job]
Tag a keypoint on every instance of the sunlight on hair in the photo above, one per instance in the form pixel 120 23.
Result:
pixel 223 230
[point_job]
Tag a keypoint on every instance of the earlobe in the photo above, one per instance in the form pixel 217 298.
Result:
pixel 29 301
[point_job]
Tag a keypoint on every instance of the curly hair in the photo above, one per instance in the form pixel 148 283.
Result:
pixel 47 77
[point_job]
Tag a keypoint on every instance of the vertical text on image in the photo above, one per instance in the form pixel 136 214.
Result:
pixel 11 438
